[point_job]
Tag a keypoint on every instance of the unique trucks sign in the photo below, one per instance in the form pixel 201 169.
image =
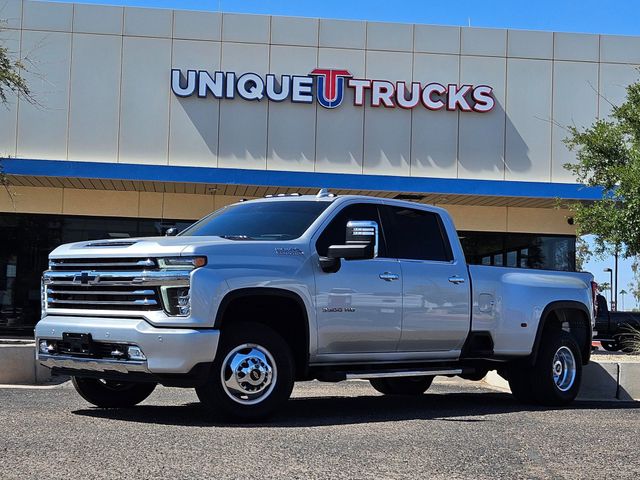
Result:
pixel 327 87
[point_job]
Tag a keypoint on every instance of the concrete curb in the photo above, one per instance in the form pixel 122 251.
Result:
pixel 600 381
pixel 18 365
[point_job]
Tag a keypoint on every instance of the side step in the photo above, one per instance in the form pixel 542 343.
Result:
pixel 402 373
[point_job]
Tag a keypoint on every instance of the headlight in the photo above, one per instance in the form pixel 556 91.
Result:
pixel 181 263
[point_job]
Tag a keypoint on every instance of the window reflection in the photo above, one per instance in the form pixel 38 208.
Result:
pixel 520 250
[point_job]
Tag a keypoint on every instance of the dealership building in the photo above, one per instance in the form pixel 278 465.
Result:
pixel 145 119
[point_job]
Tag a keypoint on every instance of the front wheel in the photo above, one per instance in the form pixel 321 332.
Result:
pixel 252 375
pixel 402 385
pixel 110 393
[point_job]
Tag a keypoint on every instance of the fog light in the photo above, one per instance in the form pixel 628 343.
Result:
pixel 177 300
pixel 46 347
pixel 135 353
pixel 184 302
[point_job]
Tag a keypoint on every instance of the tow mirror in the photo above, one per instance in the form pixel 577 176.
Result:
pixel 361 244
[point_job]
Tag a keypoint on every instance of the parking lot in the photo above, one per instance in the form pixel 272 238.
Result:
pixel 458 430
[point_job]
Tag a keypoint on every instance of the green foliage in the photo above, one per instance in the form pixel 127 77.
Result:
pixel 583 253
pixel 604 286
pixel 608 154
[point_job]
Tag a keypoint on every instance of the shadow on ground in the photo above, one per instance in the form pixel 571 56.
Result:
pixel 326 411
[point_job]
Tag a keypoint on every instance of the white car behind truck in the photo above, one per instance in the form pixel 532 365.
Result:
pixel 267 292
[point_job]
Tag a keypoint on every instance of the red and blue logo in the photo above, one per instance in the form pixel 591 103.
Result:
pixel 330 86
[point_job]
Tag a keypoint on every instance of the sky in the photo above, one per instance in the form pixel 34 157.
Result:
pixel 614 17
pixel 588 16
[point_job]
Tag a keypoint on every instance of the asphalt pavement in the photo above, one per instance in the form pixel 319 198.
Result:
pixel 457 430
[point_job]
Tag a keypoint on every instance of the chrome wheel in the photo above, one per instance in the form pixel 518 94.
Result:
pixel 249 374
pixel 564 368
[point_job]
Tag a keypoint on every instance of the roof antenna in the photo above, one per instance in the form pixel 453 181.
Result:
pixel 324 193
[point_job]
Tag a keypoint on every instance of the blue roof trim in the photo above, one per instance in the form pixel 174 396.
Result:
pixel 426 185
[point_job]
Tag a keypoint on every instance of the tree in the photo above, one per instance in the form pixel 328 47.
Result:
pixel 604 286
pixel 583 253
pixel 11 81
pixel 608 156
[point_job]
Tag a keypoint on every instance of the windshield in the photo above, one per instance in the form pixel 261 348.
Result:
pixel 278 220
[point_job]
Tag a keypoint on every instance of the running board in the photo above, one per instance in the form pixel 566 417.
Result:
pixel 396 373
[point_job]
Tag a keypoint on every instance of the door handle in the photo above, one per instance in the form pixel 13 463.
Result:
pixel 456 279
pixel 389 276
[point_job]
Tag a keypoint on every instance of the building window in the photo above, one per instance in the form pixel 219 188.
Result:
pixel 520 250
pixel 25 243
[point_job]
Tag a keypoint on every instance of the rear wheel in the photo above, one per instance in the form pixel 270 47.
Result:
pixel 555 377
pixel 610 346
pixel 252 374
pixel 112 394
pixel 402 385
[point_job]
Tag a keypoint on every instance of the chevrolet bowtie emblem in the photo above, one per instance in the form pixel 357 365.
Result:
pixel 85 278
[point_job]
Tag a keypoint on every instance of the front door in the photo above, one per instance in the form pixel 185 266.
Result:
pixel 359 308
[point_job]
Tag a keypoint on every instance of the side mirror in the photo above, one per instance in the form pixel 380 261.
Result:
pixel 172 232
pixel 361 244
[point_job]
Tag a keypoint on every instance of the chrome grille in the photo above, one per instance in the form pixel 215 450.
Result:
pixel 131 284
pixel 102 297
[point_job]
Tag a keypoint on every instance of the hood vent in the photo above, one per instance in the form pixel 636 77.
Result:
pixel 110 244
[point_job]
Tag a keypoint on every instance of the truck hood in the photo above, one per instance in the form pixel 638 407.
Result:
pixel 136 247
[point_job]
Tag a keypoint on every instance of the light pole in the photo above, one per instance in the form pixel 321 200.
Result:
pixel 612 306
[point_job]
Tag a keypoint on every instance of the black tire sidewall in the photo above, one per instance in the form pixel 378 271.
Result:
pixel 545 389
pixel 610 346
pixel 98 394
pixel 213 395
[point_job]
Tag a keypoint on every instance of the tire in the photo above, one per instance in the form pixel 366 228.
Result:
pixel 519 378
pixel 554 379
pixel 610 346
pixel 402 385
pixel 112 394
pixel 264 375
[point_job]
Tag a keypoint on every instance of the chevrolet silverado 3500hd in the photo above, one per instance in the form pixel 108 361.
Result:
pixel 267 292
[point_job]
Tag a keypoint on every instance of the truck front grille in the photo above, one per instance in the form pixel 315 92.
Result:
pixel 131 284
pixel 103 297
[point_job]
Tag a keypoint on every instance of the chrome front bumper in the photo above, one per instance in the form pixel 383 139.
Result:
pixel 92 365
pixel 167 350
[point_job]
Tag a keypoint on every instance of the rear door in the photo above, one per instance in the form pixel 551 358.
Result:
pixel 359 307
pixel 436 290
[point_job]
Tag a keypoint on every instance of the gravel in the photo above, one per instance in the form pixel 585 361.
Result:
pixel 603 356
pixel 458 430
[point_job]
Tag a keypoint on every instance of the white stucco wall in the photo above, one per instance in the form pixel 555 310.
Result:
pixel 101 76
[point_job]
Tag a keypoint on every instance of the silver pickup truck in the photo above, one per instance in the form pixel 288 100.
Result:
pixel 267 292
